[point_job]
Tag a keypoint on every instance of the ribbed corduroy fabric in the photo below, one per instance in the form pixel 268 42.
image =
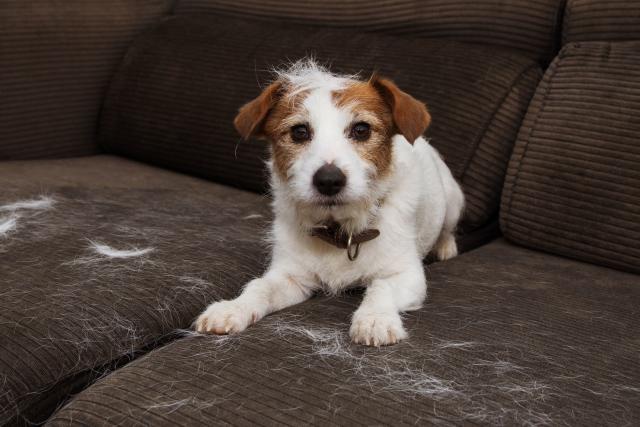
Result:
pixel 66 311
pixel 501 341
pixel 586 20
pixel 57 58
pixel 573 183
pixel 485 169
pixel 173 101
pixel 528 25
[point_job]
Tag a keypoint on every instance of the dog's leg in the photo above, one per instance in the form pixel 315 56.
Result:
pixel 272 292
pixel 446 247
pixel 377 321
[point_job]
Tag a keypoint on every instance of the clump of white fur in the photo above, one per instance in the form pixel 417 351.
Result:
pixel 307 74
pixel 8 224
pixel 252 216
pixel 381 371
pixel 110 252
pixel 42 203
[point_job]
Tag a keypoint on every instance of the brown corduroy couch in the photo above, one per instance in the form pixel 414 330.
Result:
pixel 116 129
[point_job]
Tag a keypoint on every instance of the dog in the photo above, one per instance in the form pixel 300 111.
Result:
pixel 359 198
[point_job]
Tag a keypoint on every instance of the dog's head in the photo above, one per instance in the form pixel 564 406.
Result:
pixel 331 135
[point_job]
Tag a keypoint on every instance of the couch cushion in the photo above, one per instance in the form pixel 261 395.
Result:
pixel 508 336
pixel 67 312
pixel 57 58
pixel 530 26
pixel 586 20
pixel 173 100
pixel 573 184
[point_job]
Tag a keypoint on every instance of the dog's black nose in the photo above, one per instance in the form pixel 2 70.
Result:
pixel 329 180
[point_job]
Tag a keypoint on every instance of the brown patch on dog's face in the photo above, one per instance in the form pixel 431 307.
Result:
pixel 368 107
pixel 285 114
pixel 270 116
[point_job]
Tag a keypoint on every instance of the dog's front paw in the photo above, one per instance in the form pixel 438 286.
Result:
pixel 225 317
pixel 376 328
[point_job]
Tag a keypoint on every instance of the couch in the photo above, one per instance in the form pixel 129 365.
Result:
pixel 116 131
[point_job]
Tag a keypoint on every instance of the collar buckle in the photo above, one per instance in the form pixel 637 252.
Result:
pixel 354 255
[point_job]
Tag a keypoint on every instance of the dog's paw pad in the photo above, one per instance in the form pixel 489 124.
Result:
pixel 225 317
pixel 377 329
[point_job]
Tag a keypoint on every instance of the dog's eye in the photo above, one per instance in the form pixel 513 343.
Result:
pixel 300 133
pixel 361 131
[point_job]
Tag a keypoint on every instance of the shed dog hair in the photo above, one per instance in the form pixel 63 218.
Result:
pixel 352 178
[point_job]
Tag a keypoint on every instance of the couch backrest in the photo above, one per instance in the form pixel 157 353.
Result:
pixel 173 101
pixel 56 60
pixel 592 20
pixel 573 183
pixel 528 25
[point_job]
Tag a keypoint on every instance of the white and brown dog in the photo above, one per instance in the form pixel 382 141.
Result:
pixel 359 197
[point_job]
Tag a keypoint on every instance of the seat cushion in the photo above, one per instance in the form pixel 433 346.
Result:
pixel 590 20
pixel 530 26
pixel 573 183
pixel 57 59
pixel 105 258
pixel 173 101
pixel 508 336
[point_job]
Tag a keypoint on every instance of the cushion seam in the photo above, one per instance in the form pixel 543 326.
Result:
pixel 566 27
pixel 483 132
pixel 555 66
pixel 99 370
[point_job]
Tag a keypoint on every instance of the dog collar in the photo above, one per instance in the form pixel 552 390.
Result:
pixel 332 233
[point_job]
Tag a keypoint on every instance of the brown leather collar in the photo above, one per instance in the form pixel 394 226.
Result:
pixel 331 233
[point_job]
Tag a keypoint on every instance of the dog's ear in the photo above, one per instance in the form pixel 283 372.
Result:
pixel 251 117
pixel 410 116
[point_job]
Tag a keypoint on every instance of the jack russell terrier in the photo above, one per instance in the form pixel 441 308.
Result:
pixel 359 197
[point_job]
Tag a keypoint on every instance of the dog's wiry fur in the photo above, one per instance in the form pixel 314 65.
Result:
pixel 396 183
